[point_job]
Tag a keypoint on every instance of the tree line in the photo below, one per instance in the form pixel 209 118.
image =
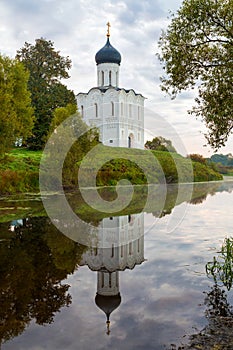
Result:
pixel 30 92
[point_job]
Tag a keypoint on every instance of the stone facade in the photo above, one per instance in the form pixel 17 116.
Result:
pixel 117 113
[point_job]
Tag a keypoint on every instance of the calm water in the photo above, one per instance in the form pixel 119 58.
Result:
pixel 153 290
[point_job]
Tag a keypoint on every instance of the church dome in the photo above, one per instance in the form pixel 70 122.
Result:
pixel 108 303
pixel 108 54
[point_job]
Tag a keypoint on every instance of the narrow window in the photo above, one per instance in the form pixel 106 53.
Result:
pixel 102 74
pixel 102 279
pixel 96 110
pixel 112 251
pixel 122 108
pixel 130 248
pixel 122 251
pixel 110 280
pixel 138 245
pixel 110 78
pixel 138 112
pixel 112 106
pixel 82 114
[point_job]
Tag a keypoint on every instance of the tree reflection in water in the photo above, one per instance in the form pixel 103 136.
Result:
pixel 217 335
pixel 34 261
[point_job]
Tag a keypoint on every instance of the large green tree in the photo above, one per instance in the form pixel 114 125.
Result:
pixel 16 112
pixel 47 67
pixel 197 51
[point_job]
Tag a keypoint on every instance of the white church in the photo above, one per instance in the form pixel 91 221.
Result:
pixel 118 113
pixel 124 235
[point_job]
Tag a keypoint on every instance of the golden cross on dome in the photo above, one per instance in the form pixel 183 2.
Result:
pixel 108 32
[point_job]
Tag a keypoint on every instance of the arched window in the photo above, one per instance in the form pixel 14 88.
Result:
pixel 112 108
pixel 122 108
pixel 110 78
pixel 138 112
pixel 82 113
pixel 102 78
pixel 96 110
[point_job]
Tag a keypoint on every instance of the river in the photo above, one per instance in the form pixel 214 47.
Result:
pixel 155 276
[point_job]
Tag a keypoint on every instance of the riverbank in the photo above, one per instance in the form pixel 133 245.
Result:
pixel 19 169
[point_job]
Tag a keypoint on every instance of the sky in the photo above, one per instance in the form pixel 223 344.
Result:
pixel 78 30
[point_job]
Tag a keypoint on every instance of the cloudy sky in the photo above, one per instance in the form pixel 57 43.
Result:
pixel 78 30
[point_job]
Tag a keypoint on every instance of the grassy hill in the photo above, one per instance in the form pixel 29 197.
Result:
pixel 19 169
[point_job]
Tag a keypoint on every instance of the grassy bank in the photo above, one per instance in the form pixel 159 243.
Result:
pixel 19 169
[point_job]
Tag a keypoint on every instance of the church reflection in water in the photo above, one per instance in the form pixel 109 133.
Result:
pixel 124 238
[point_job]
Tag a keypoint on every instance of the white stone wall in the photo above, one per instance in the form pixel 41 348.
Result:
pixel 126 237
pixel 108 283
pixel 108 74
pixel 117 113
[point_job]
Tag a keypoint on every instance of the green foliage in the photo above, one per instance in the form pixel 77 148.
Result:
pixel 164 166
pixel 61 114
pixel 71 126
pixel 160 144
pixel 223 163
pixel 197 158
pixel 197 49
pixel 19 169
pixel 16 115
pixel 34 292
pixel 221 268
pixel 47 67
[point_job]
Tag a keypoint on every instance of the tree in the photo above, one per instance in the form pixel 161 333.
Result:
pixel 16 113
pixel 27 292
pixel 160 144
pixel 197 50
pixel 197 158
pixel 47 67
pixel 71 126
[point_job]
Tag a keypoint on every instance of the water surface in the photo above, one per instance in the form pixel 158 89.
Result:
pixel 149 291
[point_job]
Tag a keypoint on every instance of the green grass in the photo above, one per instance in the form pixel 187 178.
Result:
pixel 21 159
pixel 19 169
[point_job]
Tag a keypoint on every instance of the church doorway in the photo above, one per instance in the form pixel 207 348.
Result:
pixel 130 141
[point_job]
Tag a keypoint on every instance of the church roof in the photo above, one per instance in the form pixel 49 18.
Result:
pixel 108 54
pixel 104 89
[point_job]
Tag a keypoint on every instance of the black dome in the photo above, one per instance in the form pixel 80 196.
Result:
pixel 108 303
pixel 108 54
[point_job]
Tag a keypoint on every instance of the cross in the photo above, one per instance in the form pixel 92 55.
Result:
pixel 108 32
